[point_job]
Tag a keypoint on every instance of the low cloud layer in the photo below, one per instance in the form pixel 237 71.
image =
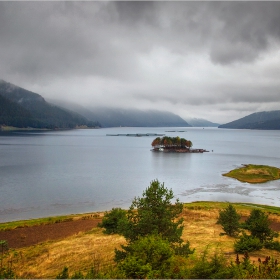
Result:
pixel 215 60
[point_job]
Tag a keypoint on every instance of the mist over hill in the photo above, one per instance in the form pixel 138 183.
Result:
pixel 22 108
pixel 115 117
pixel 196 122
pixel 268 120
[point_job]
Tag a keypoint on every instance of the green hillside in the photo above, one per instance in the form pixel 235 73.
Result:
pixel 268 120
pixel 22 108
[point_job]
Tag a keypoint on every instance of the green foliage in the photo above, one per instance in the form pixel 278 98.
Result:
pixel 272 245
pixel 114 221
pixel 255 174
pixel 172 142
pixel 154 213
pixel 153 230
pixel 229 220
pixel 258 224
pixel 267 269
pixel 64 274
pixel 213 267
pixel 247 243
pixel 148 257
pixel 77 275
pixel 6 271
pixel 183 249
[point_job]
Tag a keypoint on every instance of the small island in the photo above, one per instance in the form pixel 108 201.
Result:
pixel 254 174
pixel 174 144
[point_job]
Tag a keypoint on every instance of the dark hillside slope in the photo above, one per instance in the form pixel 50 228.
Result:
pixel 42 113
pixel 113 117
pixel 12 114
pixel 261 120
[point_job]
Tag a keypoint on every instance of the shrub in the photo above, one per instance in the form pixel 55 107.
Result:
pixel 229 220
pixel 148 257
pixel 114 221
pixel 247 243
pixel 64 274
pixel 6 270
pixel 213 267
pixel 272 245
pixel 258 224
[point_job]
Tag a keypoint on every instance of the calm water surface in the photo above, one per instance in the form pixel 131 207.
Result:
pixel 62 172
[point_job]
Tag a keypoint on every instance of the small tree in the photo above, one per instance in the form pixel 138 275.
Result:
pixel 258 224
pixel 229 220
pixel 155 213
pixel 247 243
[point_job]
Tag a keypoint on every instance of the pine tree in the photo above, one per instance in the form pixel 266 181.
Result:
pixel 229 220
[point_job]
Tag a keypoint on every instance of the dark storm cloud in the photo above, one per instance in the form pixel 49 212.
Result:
pixel 145 53
pixel 246 30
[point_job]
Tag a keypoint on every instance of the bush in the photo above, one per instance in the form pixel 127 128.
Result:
pixel 183 249
pixel 246 243
pixel 114 221
pixel 148 257
pixel 64 274
pixel 213 267
pixel 229 220
pixel 272 245
pixel 258 224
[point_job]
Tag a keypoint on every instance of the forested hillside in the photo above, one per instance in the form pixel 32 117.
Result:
pixel 260 120
pixel 22 108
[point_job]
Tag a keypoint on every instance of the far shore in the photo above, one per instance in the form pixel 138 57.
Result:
pixel 13 128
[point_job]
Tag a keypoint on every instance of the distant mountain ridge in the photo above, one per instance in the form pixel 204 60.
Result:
pixel 22 108
pixel 267 120
pixel 116 117
pixel 201 122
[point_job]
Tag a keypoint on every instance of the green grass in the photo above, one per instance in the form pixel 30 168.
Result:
pixel 255 174
pixel 34 222
pixel 210 205
pixel 47 220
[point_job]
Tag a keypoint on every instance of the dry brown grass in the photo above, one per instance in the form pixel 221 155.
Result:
pixel 94 249
pixel 78 253
pixel 203 233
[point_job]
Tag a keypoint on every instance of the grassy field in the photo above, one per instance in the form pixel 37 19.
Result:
pixel 255 173
pixel 95 249
pixel 45 221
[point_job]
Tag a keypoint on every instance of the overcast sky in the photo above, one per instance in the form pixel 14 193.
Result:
pixel 214 60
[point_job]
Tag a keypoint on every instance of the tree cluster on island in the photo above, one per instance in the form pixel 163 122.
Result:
pixel 171 143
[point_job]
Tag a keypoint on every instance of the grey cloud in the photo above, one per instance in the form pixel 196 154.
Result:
pixel 246 30
pixel 177 53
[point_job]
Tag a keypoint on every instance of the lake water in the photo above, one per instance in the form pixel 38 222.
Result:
pixel 77 171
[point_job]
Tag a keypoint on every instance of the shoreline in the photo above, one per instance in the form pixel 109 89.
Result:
pixel 166 150
pixel 10 225
pixel 27 233
pixel 13 128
